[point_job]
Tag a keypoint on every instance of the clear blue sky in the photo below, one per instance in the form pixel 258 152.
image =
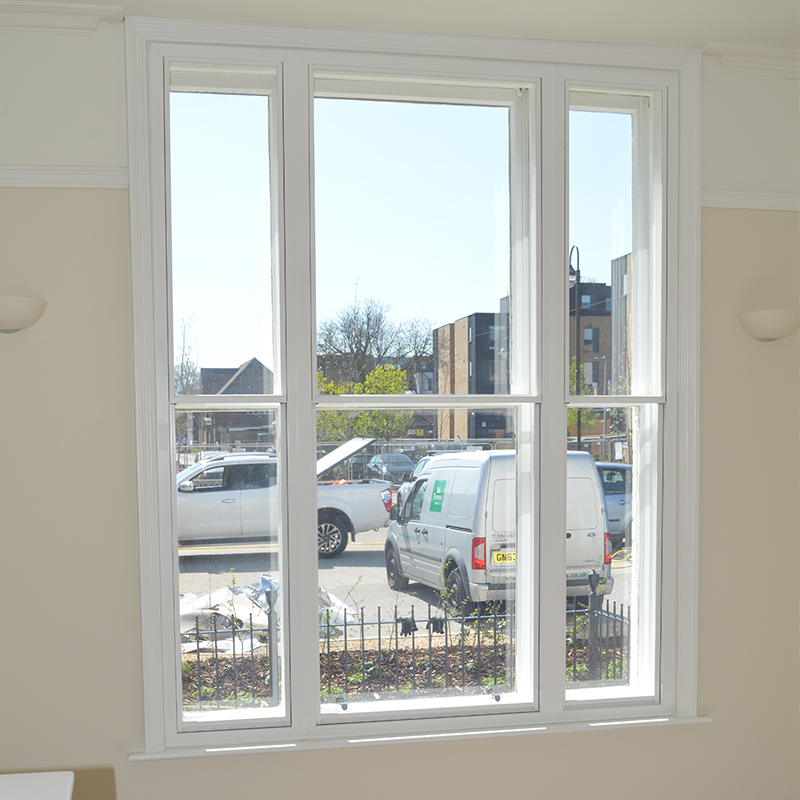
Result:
pixel 600 189
pixel 411 208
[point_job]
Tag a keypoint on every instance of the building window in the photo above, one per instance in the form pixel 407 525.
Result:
pixel 403 365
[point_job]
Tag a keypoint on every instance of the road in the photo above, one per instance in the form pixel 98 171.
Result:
pixel 357 577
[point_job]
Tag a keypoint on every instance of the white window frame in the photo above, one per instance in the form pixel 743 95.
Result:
pixel 553 67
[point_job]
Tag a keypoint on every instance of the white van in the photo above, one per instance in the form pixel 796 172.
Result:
pixel 456 529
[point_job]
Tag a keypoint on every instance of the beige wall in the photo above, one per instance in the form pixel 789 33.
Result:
pixel 71 689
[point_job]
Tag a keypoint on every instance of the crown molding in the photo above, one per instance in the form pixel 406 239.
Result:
pixel 63 177
pixel 766 62
pixel 55 18
pixel 158 29
pixel 758 201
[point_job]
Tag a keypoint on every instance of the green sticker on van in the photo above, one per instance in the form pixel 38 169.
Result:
pixel 437 497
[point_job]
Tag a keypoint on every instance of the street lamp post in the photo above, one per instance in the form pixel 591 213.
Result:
pixel 605 391
pixel 577 252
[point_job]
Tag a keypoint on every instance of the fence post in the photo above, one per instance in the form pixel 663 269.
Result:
pixel 272 644
pixel 594 634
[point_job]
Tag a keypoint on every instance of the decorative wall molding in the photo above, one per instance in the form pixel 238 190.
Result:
pixel 759 201
pixel 55 18
pixel 117 178
pixel 766 62
pixel 64 177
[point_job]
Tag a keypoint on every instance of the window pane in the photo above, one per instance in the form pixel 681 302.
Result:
pixel 600 219
pixel 412 246
pixel 221 237
pixel 228 514
pixel 612 487
pixel 399 621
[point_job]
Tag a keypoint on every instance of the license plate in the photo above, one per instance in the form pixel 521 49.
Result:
pixel 504 557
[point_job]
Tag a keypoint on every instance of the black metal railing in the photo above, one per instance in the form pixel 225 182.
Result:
pixel 398 656
pixel 236 664
pixel 599 645
pixel 232 664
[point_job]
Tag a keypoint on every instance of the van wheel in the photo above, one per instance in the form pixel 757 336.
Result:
pixel 331 536
pixel 456 596
pixel 394 576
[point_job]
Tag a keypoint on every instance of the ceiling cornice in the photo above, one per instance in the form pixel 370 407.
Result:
pixel 766 62
pixel 55 18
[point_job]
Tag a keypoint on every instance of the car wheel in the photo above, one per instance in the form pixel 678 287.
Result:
pixel 456 596
pixel 394 576
pixel 331 536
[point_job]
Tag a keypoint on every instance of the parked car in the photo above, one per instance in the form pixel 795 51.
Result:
pixel 394 467
pixel 204 455
pixel 235 496
pixel 616 480
pixel 456 529
pixel 419 468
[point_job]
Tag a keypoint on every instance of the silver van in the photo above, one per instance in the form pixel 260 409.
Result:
pixel 456 529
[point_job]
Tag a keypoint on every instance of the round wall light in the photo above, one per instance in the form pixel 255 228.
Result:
pixel 767 326
pixel 18 312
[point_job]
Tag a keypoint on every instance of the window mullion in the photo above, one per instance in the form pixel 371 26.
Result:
pixel 300 443
pixel 552 481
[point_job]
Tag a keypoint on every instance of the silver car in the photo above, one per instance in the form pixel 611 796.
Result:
pixel 616 480
pixel 394 467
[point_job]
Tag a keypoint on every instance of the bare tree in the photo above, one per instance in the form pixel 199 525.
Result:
pixel 361 337
pixel 187 373
pixel 417 355
pixel 187 379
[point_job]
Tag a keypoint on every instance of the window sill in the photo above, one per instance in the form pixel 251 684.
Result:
pixel 361 741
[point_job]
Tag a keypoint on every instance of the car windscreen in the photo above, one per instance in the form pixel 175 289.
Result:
pixel 616 481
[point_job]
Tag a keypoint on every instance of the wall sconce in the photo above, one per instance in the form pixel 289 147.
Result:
pixel 18 312
pixel 767 326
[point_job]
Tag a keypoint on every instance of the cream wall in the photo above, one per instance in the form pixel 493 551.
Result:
pixel 750 132
pixel 71 690
pixel 62 99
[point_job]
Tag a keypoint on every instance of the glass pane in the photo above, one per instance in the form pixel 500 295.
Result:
pixel 612 512
pixel 600 258
pixel 228 511
pixel 401 621
pixel 221 242
pixel 412 247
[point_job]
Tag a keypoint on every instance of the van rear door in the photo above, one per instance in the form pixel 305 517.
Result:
pixel 501 533
pixel 585 547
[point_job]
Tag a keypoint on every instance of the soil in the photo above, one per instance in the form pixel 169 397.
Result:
pixel 369 675
pixel 401 670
